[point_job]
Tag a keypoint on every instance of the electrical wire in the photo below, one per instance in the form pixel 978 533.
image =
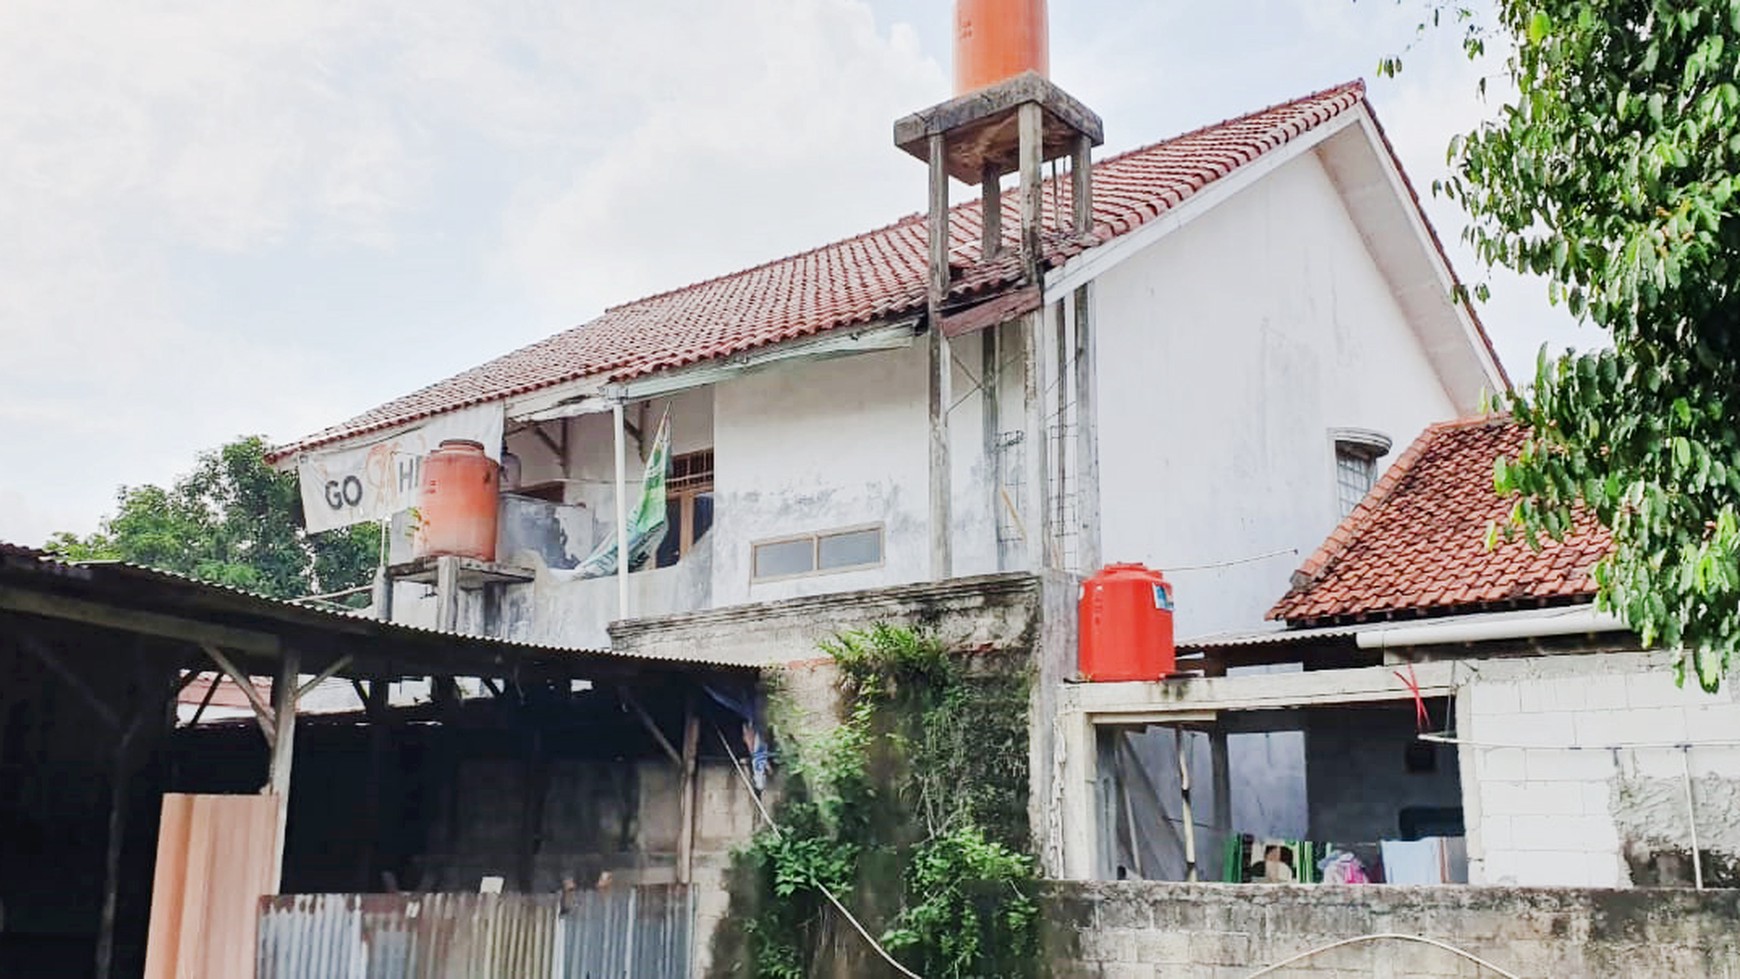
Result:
pixel 1253 559
pixel 1384 936
pixel 768 817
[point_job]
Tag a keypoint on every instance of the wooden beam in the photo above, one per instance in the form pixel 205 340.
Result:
pixel 690 763
pixel 131 620
pixel 1032 126
pixel 941 396
pixel 1035 514
pixel 1087 438
pixel 205 701
pixel 1082 175
pixel 938 226
pixel 991 423
pixel 263 713
pixel 447 593
pixel 52 660
pixel 990 212
pixel 991 312
pixel 652 728
pixel 324 675
pixel 284 688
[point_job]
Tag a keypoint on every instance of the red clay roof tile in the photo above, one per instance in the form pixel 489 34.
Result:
pixel 874 276
pixel 1417 544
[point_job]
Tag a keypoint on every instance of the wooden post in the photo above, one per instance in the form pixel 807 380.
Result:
pixel 1030 121
pixel 284 688
pixel 938 224
pixel 1064 378
pixel 376 708
pixel 1221 771
pixel 118 806
pixel 1186 816
pixel 990 412
pixel 990 212
pixel 621 436
pixel 690 811
pixel 382 595
pixel 536 789
pixel 941 489
pixel 1036 515
pixel 1082 187
pixel 447 593
pixel 1087 439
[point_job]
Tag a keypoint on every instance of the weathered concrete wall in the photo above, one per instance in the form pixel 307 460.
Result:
pixel 1227 352
pixel 1575 812
pixel 817 447
pixel 985 612
pixel 1357 775
pixel 1225 931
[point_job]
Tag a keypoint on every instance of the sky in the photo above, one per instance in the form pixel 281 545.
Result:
pixel 222 218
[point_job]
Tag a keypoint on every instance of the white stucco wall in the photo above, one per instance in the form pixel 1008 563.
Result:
pixel 1225 354
pixel 822 446
pixel 1554 816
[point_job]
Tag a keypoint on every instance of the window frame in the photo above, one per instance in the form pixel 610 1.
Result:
pixel 683 490
pixel 815 538
pixel 1364 444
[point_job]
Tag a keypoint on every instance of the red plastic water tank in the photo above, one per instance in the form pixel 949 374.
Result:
pixel 998 39
pixel 461 494
pixel 1126 625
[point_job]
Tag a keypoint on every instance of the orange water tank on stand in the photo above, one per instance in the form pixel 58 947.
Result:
pixel 1125 630
pixel 998 39
pixel 461 494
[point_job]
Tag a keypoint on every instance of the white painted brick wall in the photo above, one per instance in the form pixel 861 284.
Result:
pixel 1543 816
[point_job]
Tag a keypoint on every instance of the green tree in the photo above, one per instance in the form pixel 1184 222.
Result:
pixel 1614 175
pixel 232 520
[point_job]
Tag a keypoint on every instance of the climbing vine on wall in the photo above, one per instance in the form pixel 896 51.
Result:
pixel 913 812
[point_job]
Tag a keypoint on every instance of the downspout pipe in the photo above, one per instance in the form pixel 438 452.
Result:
pixel 1579 620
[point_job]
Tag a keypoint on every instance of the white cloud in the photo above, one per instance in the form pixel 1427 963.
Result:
pixel 231 217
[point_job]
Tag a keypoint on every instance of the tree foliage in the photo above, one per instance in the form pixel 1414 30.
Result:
pixel 232 520
pixel 1614 174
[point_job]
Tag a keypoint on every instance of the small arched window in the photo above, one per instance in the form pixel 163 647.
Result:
pixel 1357 451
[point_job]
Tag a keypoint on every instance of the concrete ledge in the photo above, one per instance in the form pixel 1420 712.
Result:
pixel 997 611
pixel 1102 928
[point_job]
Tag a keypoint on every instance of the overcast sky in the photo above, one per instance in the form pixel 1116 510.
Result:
pixel 224 218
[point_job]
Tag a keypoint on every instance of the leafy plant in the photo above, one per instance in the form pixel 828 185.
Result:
pixel 901 811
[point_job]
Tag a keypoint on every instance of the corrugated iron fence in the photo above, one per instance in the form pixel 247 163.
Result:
pixel 614 933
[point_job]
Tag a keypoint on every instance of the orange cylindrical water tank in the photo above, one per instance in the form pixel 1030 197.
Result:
pixel 998 39
pixel 461 494
pixel 1125 629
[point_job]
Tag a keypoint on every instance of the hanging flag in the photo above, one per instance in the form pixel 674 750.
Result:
pixel 646 521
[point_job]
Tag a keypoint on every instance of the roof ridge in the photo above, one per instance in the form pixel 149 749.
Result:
pixel 1355 86
pixel 1353 526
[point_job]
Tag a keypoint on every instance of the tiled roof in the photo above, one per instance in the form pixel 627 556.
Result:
pixel 1417 544
pixel 873 277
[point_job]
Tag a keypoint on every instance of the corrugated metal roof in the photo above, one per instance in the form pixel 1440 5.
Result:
pixel 121 579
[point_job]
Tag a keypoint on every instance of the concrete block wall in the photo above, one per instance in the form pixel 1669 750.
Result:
pixel 1575 811
pixel 1229 931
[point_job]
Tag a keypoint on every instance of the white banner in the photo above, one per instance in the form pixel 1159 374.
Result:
pixel 380 477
